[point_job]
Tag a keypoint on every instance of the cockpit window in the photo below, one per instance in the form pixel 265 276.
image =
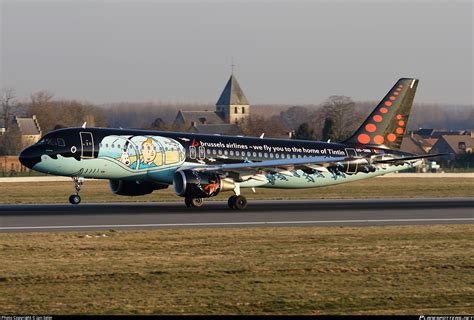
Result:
pixel 53 142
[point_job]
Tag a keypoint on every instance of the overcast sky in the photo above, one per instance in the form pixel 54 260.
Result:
pixel 296 52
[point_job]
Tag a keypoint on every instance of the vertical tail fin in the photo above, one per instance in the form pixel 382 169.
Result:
pixel 386 125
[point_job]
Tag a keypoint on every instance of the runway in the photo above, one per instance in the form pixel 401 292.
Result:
pixel 29 218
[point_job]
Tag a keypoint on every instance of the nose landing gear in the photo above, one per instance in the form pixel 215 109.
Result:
pixel 75 198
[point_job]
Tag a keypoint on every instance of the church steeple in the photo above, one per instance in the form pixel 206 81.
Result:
pixel 232 105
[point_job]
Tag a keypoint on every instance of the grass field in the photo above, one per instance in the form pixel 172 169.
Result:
pixel 330 270
pixel 98 191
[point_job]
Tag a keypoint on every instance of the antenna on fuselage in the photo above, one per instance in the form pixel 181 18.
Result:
pixel 84 125
pixel 262 135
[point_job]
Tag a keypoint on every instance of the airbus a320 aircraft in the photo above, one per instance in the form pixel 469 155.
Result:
pixel 199 166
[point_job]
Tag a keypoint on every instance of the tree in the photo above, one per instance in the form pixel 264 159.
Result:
pixel 328 129
pixel 7 98
pixel 304 132
pixel 41 106
pixel 54 114
pixel 295 116
pixel 341 110
pixel 256 125
pixel 10 142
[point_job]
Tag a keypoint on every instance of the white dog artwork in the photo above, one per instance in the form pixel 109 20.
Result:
pixel 125 159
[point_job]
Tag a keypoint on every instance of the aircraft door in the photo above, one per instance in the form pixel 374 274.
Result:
pixel 87 145
pixel 351 167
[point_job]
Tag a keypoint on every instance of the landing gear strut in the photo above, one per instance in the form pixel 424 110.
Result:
pixel 237 202
pixel 193 202
pixel 75 198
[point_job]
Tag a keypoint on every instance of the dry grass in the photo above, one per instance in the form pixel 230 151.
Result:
pixel 332 270
pixel 98 191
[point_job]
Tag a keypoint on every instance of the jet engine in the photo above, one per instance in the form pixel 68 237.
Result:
pixel 200 184
pixel 134 188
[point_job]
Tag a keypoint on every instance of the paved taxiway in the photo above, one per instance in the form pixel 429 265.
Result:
pixel 21 218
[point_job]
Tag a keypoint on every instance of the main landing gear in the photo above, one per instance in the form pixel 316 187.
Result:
pixel 237 202
pixel 75 198
pixel 193 202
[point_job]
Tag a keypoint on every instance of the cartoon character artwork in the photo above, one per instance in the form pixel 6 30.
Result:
pixel 142 152
pixel 125 158
pixel 147 155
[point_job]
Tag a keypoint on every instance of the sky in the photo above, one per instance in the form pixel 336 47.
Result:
pixel 284 52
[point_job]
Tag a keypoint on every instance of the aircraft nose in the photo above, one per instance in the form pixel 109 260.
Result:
pixel 29 157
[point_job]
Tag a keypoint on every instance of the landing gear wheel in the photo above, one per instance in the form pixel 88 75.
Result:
pixel 194 202
pixel 75 199
pixel 238 202
pixel 231 202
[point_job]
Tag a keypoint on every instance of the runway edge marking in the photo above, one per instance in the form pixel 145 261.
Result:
pixel 204 224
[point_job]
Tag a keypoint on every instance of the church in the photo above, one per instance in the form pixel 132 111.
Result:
pixel 232 108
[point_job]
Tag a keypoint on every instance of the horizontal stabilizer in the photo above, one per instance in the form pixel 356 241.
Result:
pixel 404 159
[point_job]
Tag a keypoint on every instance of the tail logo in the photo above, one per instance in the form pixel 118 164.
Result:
pixel 383 113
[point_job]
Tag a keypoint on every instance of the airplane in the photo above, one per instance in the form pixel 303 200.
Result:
pixel 199 166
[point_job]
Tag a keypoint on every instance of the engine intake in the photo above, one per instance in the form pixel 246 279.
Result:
pixel 200 184
pixel 134 188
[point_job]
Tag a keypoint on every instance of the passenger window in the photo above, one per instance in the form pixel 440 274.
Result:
pixel 192 152
pixel 202 152
pixel 61 142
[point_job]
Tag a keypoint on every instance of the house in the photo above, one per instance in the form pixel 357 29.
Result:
pixel 232 108
pixel 30 130
pixel 459 144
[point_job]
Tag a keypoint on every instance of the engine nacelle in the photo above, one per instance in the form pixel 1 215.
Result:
pixel 200 184
pixel 134 188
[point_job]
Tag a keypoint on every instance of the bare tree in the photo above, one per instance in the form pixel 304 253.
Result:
pixel 295 116
pixel 256 125
pixel 342 112
pixel 7 98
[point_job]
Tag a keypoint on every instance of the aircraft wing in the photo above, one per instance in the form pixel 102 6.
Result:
pixel 276 166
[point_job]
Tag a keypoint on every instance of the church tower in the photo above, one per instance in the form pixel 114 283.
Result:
pixel 232 105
